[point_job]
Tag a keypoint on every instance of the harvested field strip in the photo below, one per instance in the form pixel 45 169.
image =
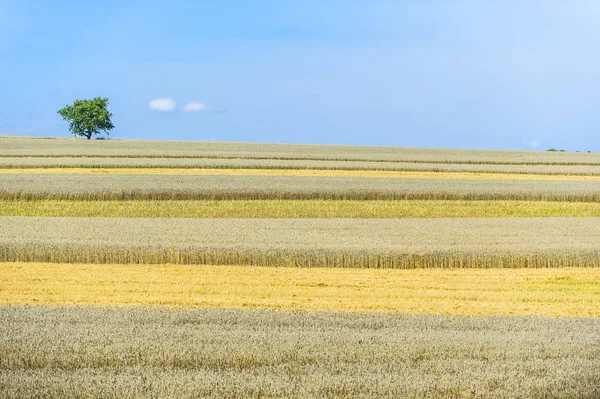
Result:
pixel 300 173
pixel 543 292
pixel 299 209
pixel 20 147
pixel 178 187
pixel 174 163
pixel 183 353
pixel 359 243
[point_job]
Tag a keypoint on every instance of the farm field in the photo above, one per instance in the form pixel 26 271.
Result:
pixel 177 269
pixel 298 209
pixel 301 172
pixel 564 292
pixel 73 352
pixel 57 147
pixel 229 187
pixel 371 243
pixel 259 164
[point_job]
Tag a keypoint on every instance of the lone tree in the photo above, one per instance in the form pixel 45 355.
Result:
pixel 88 117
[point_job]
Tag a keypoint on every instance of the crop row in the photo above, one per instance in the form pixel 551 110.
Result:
pixel 177 187
pixel 298 209
pixel 175 163
pixel 366 243
pixel 32 147
pixel 74 352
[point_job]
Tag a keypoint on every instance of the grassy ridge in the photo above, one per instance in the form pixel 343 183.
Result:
pixel 362 243
pixel 218 187
pixel 179 163
pixel 300 173
pixel 458 291
pixel 24 147
pixel 74 352
pixel 299 209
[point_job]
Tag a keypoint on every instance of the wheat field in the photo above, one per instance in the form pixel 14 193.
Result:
pixel 302 173
pixel 32 162
pixel 363 243
pixel 298 209
pixel 147 269
pixel 56 147
pixel 74 352
pixel 227 187
pixel 528 292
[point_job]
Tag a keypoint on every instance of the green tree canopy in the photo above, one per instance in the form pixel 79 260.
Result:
pixel 88 117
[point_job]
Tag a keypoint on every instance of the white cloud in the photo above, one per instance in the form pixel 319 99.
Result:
pixel 535 144
pixel 162 104
pixel 195 107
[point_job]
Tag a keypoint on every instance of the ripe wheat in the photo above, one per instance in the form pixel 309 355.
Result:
pixel 362 243
pixel 21 147
pixel 75 352
pixel 298 209
pixel 177 187
pixel 175 163
pixel 388 174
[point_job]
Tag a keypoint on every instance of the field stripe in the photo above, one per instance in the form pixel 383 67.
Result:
pixel 19 147
pixel 299 172
pixel 298 209
pixel 548 292
pixel 222 187
pixel 342 243
pixel 174 163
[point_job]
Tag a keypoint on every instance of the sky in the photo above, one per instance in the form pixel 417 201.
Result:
pixel 495 74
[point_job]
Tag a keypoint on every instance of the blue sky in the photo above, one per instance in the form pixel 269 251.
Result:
pixel 470 74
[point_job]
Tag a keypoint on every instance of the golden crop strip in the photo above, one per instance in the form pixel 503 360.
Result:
pixel 299 209
pixel 547 292
pixel 298 172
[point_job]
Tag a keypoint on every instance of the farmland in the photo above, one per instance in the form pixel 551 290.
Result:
pixel 177 269
pixel 372 243
pixel 445 175
pixel 225 187
pixel 298 209
pixel 523 292
pixel 49 162
pixel 35 147
pixel 71 352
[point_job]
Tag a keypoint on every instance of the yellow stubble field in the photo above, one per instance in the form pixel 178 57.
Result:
pixel 548 292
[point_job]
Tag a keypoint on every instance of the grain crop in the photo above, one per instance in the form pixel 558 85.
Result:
pixel 362 243
pixel 179 163
pixel 388 174
pixel 35 147
pixel 177 187
pixel 74 352
pixel 565 292
pixel 299 209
